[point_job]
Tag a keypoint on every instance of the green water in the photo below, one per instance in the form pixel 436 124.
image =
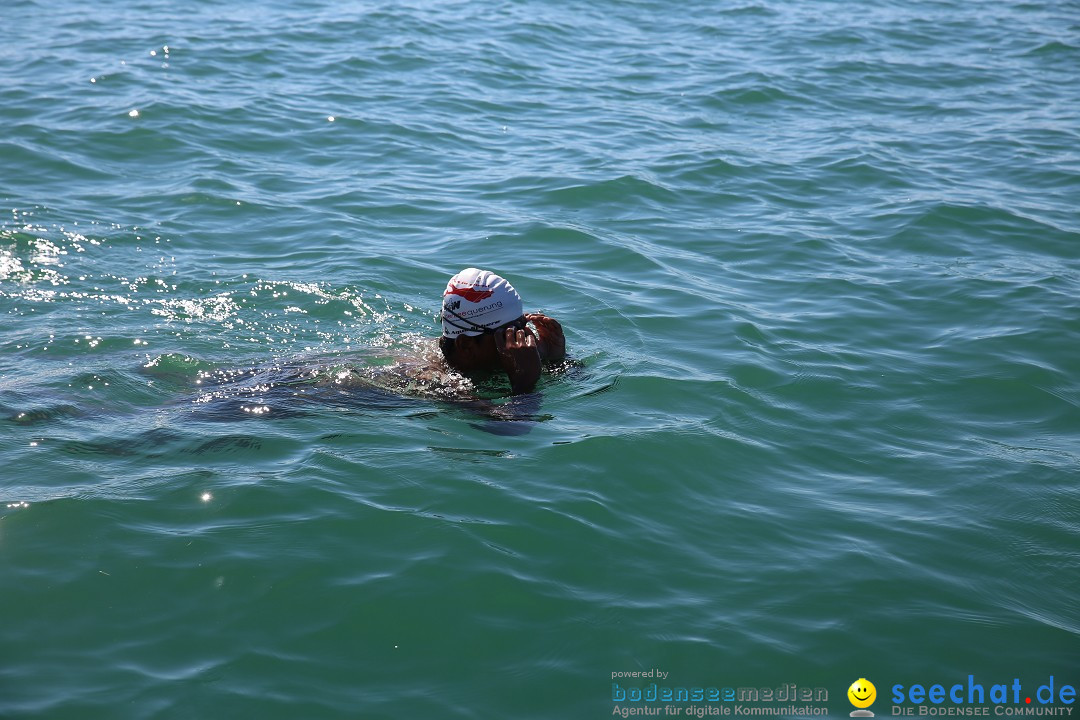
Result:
pixel 817 264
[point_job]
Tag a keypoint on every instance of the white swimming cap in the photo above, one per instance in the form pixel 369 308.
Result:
pixel 478 300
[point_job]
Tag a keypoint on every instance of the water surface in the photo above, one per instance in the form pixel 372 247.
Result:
pixel 817 265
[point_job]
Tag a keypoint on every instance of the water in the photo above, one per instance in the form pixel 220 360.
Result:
pixel 817 265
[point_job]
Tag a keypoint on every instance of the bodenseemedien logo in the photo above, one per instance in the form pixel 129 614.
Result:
pixel 862 694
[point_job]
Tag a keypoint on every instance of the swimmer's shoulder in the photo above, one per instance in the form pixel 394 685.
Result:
pixel 419 370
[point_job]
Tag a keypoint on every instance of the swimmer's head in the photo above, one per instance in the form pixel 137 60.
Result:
pixel 475 305
pixel 477 302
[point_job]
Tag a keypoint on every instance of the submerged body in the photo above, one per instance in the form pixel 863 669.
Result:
pixel 410 379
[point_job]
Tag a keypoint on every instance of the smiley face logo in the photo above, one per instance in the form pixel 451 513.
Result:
pixel 862 693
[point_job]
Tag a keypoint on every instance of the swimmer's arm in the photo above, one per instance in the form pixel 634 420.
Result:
pixel 520 359
pixel 515 416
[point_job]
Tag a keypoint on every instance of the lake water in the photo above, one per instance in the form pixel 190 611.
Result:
pixel 819 272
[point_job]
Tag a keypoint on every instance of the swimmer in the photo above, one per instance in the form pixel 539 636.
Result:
pixel 485 330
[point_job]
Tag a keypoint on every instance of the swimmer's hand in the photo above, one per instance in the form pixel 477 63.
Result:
pixel 551 341
pixel 520 358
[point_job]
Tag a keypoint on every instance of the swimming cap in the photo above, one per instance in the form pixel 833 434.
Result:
pixel 478 300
